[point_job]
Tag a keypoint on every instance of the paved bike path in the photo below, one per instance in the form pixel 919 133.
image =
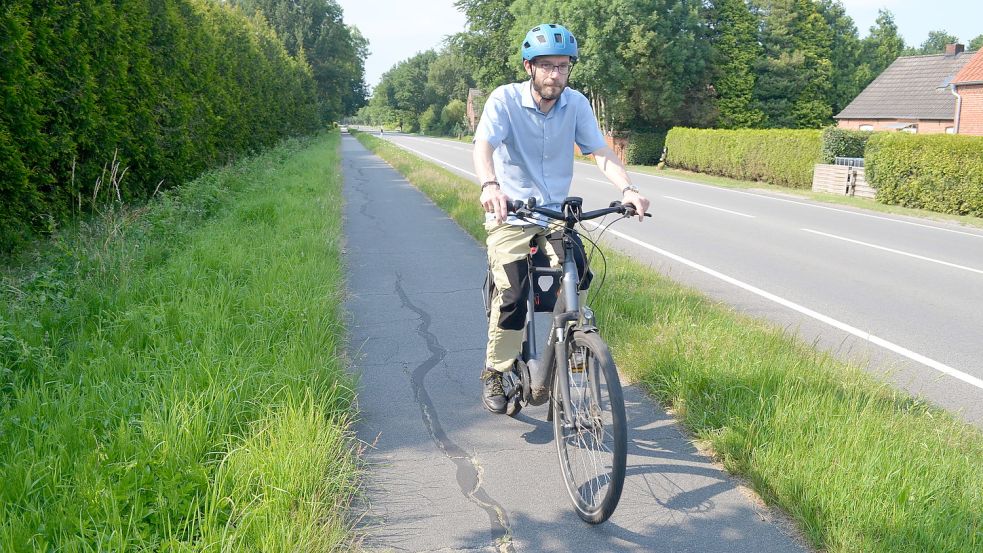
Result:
pixel 446 475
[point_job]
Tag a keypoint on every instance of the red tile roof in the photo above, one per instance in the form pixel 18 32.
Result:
pixel 972 72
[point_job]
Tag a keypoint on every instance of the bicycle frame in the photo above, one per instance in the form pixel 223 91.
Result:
pixel 542 370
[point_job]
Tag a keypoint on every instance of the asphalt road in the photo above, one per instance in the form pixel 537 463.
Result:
pixel 446 475
pixel 900 296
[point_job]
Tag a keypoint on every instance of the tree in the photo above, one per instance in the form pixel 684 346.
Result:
pixel 976 43
pixel 643 62
pixel 934 44
pixel 795 75
pixel 879 49
pixel 452 117
pixel 489 44
pixel 449 75
pixel 314 30
pixel 735 48
pixel 403 93
pixel 844 54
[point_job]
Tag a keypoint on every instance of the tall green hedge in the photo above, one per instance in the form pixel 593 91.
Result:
pixel 837 142
pixel 645 148
pixel 174 87
pixel 778 156
pixel 939 172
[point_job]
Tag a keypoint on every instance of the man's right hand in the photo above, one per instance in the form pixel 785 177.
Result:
pixel 495 201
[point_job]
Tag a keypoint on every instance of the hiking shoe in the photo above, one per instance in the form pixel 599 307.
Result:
pixel 492 394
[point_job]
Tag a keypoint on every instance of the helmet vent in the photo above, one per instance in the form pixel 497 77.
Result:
pixel 541 39
pixel 558 38
pixel 536 30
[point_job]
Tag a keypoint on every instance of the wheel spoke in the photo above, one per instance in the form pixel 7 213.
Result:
pixel 591 458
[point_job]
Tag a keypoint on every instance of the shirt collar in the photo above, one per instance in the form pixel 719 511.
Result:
pixel 528 102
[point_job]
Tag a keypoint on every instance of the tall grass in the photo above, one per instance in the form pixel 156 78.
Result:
pixel 860 466
pixel 173 376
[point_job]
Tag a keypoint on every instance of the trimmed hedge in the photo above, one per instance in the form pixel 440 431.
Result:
pixel 778 156
pixel 938 172
pixel 645 148
pixel 837 142
pixel 175 87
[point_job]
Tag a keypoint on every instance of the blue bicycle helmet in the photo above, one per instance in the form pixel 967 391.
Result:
pixel 549 39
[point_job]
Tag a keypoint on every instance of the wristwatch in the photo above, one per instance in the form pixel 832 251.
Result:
pixel 631 187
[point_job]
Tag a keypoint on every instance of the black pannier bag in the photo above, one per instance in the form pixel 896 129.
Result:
pixel 545 287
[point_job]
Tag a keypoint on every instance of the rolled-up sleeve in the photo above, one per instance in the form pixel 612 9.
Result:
pixel 588 135
pixel 494 125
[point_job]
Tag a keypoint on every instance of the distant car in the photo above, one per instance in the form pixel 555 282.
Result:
pixel 344 128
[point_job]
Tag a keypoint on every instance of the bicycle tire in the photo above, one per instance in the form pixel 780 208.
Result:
pixel 593 453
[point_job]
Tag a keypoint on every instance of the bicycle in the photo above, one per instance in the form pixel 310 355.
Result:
pixel 575 373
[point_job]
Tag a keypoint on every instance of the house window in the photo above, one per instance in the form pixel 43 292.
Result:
pixel 866 127
pixel 950 130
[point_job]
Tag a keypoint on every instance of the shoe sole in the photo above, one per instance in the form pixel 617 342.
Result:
pixel 497 412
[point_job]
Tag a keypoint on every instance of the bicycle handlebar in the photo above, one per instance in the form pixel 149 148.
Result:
pixel 574 215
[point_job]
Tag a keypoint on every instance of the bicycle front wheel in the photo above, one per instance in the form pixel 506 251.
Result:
pixel 591 440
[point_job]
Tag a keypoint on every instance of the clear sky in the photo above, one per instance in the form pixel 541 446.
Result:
pixel 398 29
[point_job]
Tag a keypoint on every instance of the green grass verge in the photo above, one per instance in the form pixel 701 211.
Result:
pixel 860 466
pixel 850 201
pixel 173 376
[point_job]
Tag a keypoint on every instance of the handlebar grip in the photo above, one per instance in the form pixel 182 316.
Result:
pixel 515 205
pixel 631 211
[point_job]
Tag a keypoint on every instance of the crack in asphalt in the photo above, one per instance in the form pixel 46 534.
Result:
pixel 469 470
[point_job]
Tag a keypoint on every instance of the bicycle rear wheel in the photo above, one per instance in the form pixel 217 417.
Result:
pixel 591 441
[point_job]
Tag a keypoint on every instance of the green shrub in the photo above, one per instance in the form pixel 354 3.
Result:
pixel 779 156
pixel 430 121
pixel 939 172
pixel 453 117
pixel 645 148
pixel 837 142
pixel 167 88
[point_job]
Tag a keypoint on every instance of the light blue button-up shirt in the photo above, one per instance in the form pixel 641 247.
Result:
pixel 534 150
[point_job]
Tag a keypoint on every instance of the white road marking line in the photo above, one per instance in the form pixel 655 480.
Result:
pixel 418 152
pixel 442 142
pixel 905 352
pixel 892 250
pixel 975 235
pixel 710 207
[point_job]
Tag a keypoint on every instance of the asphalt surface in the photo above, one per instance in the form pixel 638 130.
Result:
pixel 899 296
pixel 446 475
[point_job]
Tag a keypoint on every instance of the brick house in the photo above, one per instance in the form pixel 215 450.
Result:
pixel 914 95
pixel 968 86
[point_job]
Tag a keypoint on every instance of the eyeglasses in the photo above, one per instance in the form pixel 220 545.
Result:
pixel 562 69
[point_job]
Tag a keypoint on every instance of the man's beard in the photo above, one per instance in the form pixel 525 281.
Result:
pixel 547 92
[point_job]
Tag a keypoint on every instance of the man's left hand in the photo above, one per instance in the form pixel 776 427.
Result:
pixel 640 202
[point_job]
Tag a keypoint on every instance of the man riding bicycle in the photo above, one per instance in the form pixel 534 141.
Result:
pixel 523 148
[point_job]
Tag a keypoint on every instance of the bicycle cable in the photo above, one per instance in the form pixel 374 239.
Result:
pixel 596 248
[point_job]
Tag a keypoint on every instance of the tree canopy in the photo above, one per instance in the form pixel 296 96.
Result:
pixel 336 52
pixel 648 65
